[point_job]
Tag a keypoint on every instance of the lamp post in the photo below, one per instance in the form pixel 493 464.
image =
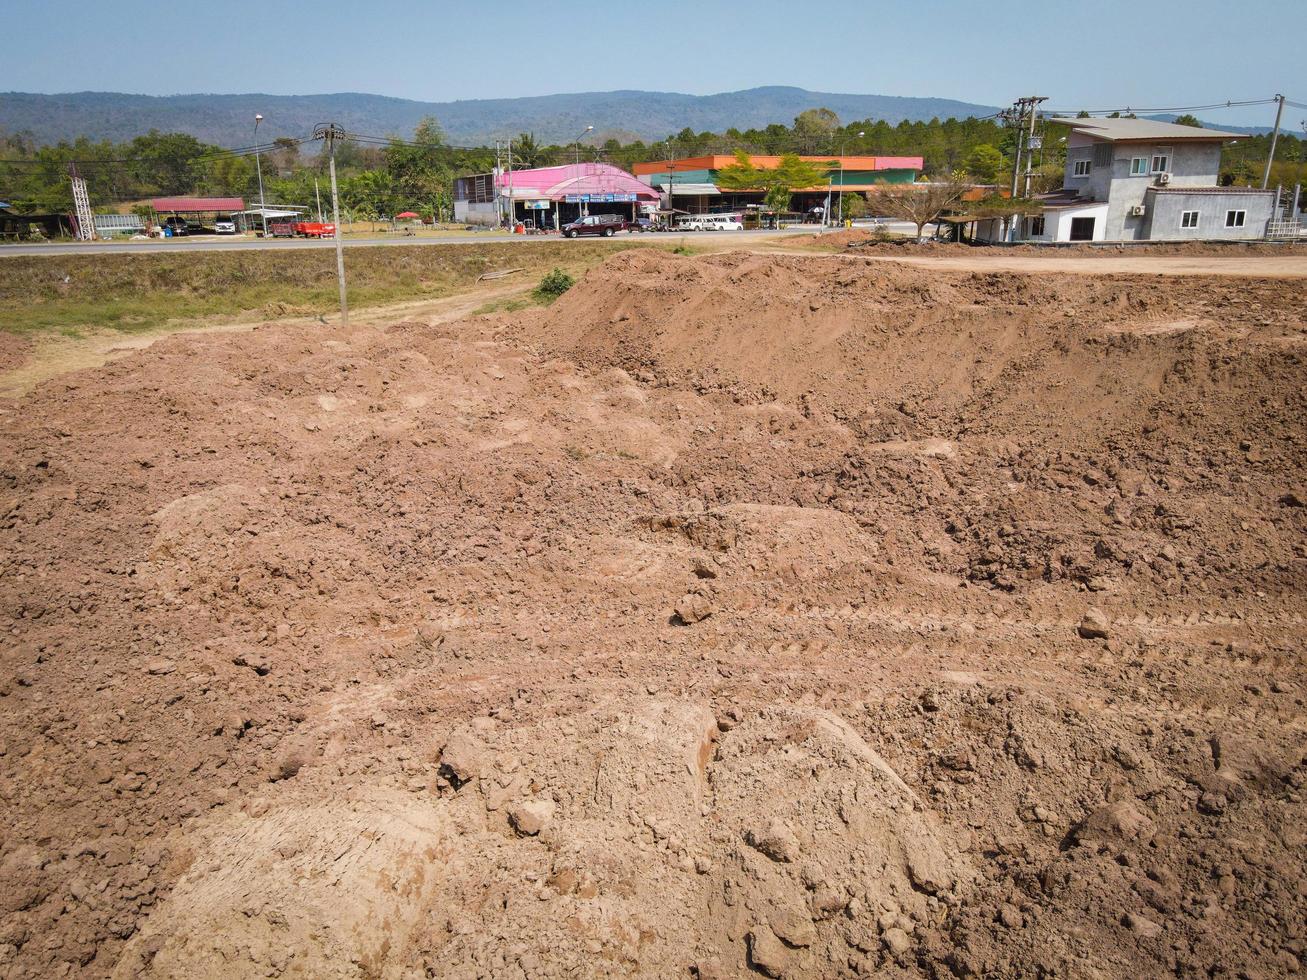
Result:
pixel 580 206
pixel 671 185
pixel 577 141
pixel 861 133
pixel 263 210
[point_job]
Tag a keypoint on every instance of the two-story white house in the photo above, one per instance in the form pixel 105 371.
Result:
pixel 1137 180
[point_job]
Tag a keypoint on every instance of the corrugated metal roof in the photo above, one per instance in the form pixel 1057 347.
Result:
pixel 681 187
pixel 585 178
pixel 202 204
pixel 716 161
pixel 1113 130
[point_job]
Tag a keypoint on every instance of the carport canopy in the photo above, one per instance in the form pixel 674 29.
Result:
pixel 199 205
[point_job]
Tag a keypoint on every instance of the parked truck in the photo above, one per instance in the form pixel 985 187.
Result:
pixel 315 229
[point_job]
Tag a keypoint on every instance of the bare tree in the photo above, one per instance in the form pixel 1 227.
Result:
pixel 919 203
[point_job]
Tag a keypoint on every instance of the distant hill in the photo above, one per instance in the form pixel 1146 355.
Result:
pixel 228 120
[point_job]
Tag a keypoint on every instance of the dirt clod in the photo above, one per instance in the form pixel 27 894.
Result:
pixel 1094 625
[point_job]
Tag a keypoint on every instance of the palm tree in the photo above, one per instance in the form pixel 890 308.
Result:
pixel 525 151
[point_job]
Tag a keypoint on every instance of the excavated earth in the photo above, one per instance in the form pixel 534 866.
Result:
pixel 795 616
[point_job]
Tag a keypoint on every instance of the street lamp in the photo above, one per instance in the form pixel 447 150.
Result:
pixel 581 209
pixel 263 211
pixel 861 134
pixel 577 141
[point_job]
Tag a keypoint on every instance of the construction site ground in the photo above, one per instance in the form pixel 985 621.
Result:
pixel 737 614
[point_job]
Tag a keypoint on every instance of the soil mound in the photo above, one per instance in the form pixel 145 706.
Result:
pixel 736 616
pixel 1089 351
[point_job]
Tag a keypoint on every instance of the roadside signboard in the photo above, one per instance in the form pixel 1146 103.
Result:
pixel 599 198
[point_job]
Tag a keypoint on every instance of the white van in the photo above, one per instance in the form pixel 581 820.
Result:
pixel 711 222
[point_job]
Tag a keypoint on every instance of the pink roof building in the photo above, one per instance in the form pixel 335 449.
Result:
pixel 595 181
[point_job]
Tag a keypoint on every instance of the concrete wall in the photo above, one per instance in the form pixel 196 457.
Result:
pixel 1195 165
pixel 475 214
pixel 1166 206
pixel 1057 225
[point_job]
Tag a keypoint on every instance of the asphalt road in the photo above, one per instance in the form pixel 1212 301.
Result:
pixel 206 243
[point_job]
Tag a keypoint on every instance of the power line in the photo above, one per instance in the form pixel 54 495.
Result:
pixel 1175 108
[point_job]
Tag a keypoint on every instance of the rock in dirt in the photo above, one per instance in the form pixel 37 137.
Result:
pixel 693 608
pixel 159 666
pixel 768 953
pixel 1121 821
pixel 532 816
pixel 1141 926
pixel 896 941
pixel 927 863
pixel 1094 625
pixel 794 928
pixel 462 759
pixel 776 840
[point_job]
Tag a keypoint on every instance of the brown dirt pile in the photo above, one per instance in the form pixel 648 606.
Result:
pixel 736 615
pixel 878 243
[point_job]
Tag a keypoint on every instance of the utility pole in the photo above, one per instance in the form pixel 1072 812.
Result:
pixel 861 134
pixel 512 210
pixel 1275 138
pixel 499 201
pixel 331 132
pixel 1030 156
pixel 263 209
pixel 1017 112
pixel 317 196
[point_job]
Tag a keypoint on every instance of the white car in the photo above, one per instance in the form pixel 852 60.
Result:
pixel 224 226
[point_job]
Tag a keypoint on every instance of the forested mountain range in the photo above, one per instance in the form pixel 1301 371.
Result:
pixel 228 120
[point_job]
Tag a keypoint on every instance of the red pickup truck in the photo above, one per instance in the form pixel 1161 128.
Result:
pixel 596 224
pixel 315 229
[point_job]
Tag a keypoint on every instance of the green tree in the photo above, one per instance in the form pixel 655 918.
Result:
pixel 232 175
pixel 428 132
pixel 983 163
pixel 855 205
pixel 1188 120
pixel 777 183
pixel 816 122
pixel 526 153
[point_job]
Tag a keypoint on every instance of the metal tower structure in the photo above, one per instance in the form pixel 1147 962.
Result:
pixel 82 206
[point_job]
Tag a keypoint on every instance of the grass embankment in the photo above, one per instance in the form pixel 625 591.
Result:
pixel 68 293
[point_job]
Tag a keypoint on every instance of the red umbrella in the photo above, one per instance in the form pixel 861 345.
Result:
pixel 406 214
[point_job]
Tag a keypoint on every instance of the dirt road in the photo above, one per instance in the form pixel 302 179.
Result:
pixel 739 614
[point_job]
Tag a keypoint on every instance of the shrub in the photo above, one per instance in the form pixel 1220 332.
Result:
pixel 554 284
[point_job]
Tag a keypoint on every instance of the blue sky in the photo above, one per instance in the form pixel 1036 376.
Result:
pixel 1098 54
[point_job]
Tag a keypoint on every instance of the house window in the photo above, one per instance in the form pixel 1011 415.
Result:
pixel 1035 226
pixel 1081 168
pixel 1161 158
pixel 1234 219
pixel 1139 166
pixel 1188 219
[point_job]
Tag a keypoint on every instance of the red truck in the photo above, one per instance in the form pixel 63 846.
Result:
pixel 315 229
pixel 596 224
